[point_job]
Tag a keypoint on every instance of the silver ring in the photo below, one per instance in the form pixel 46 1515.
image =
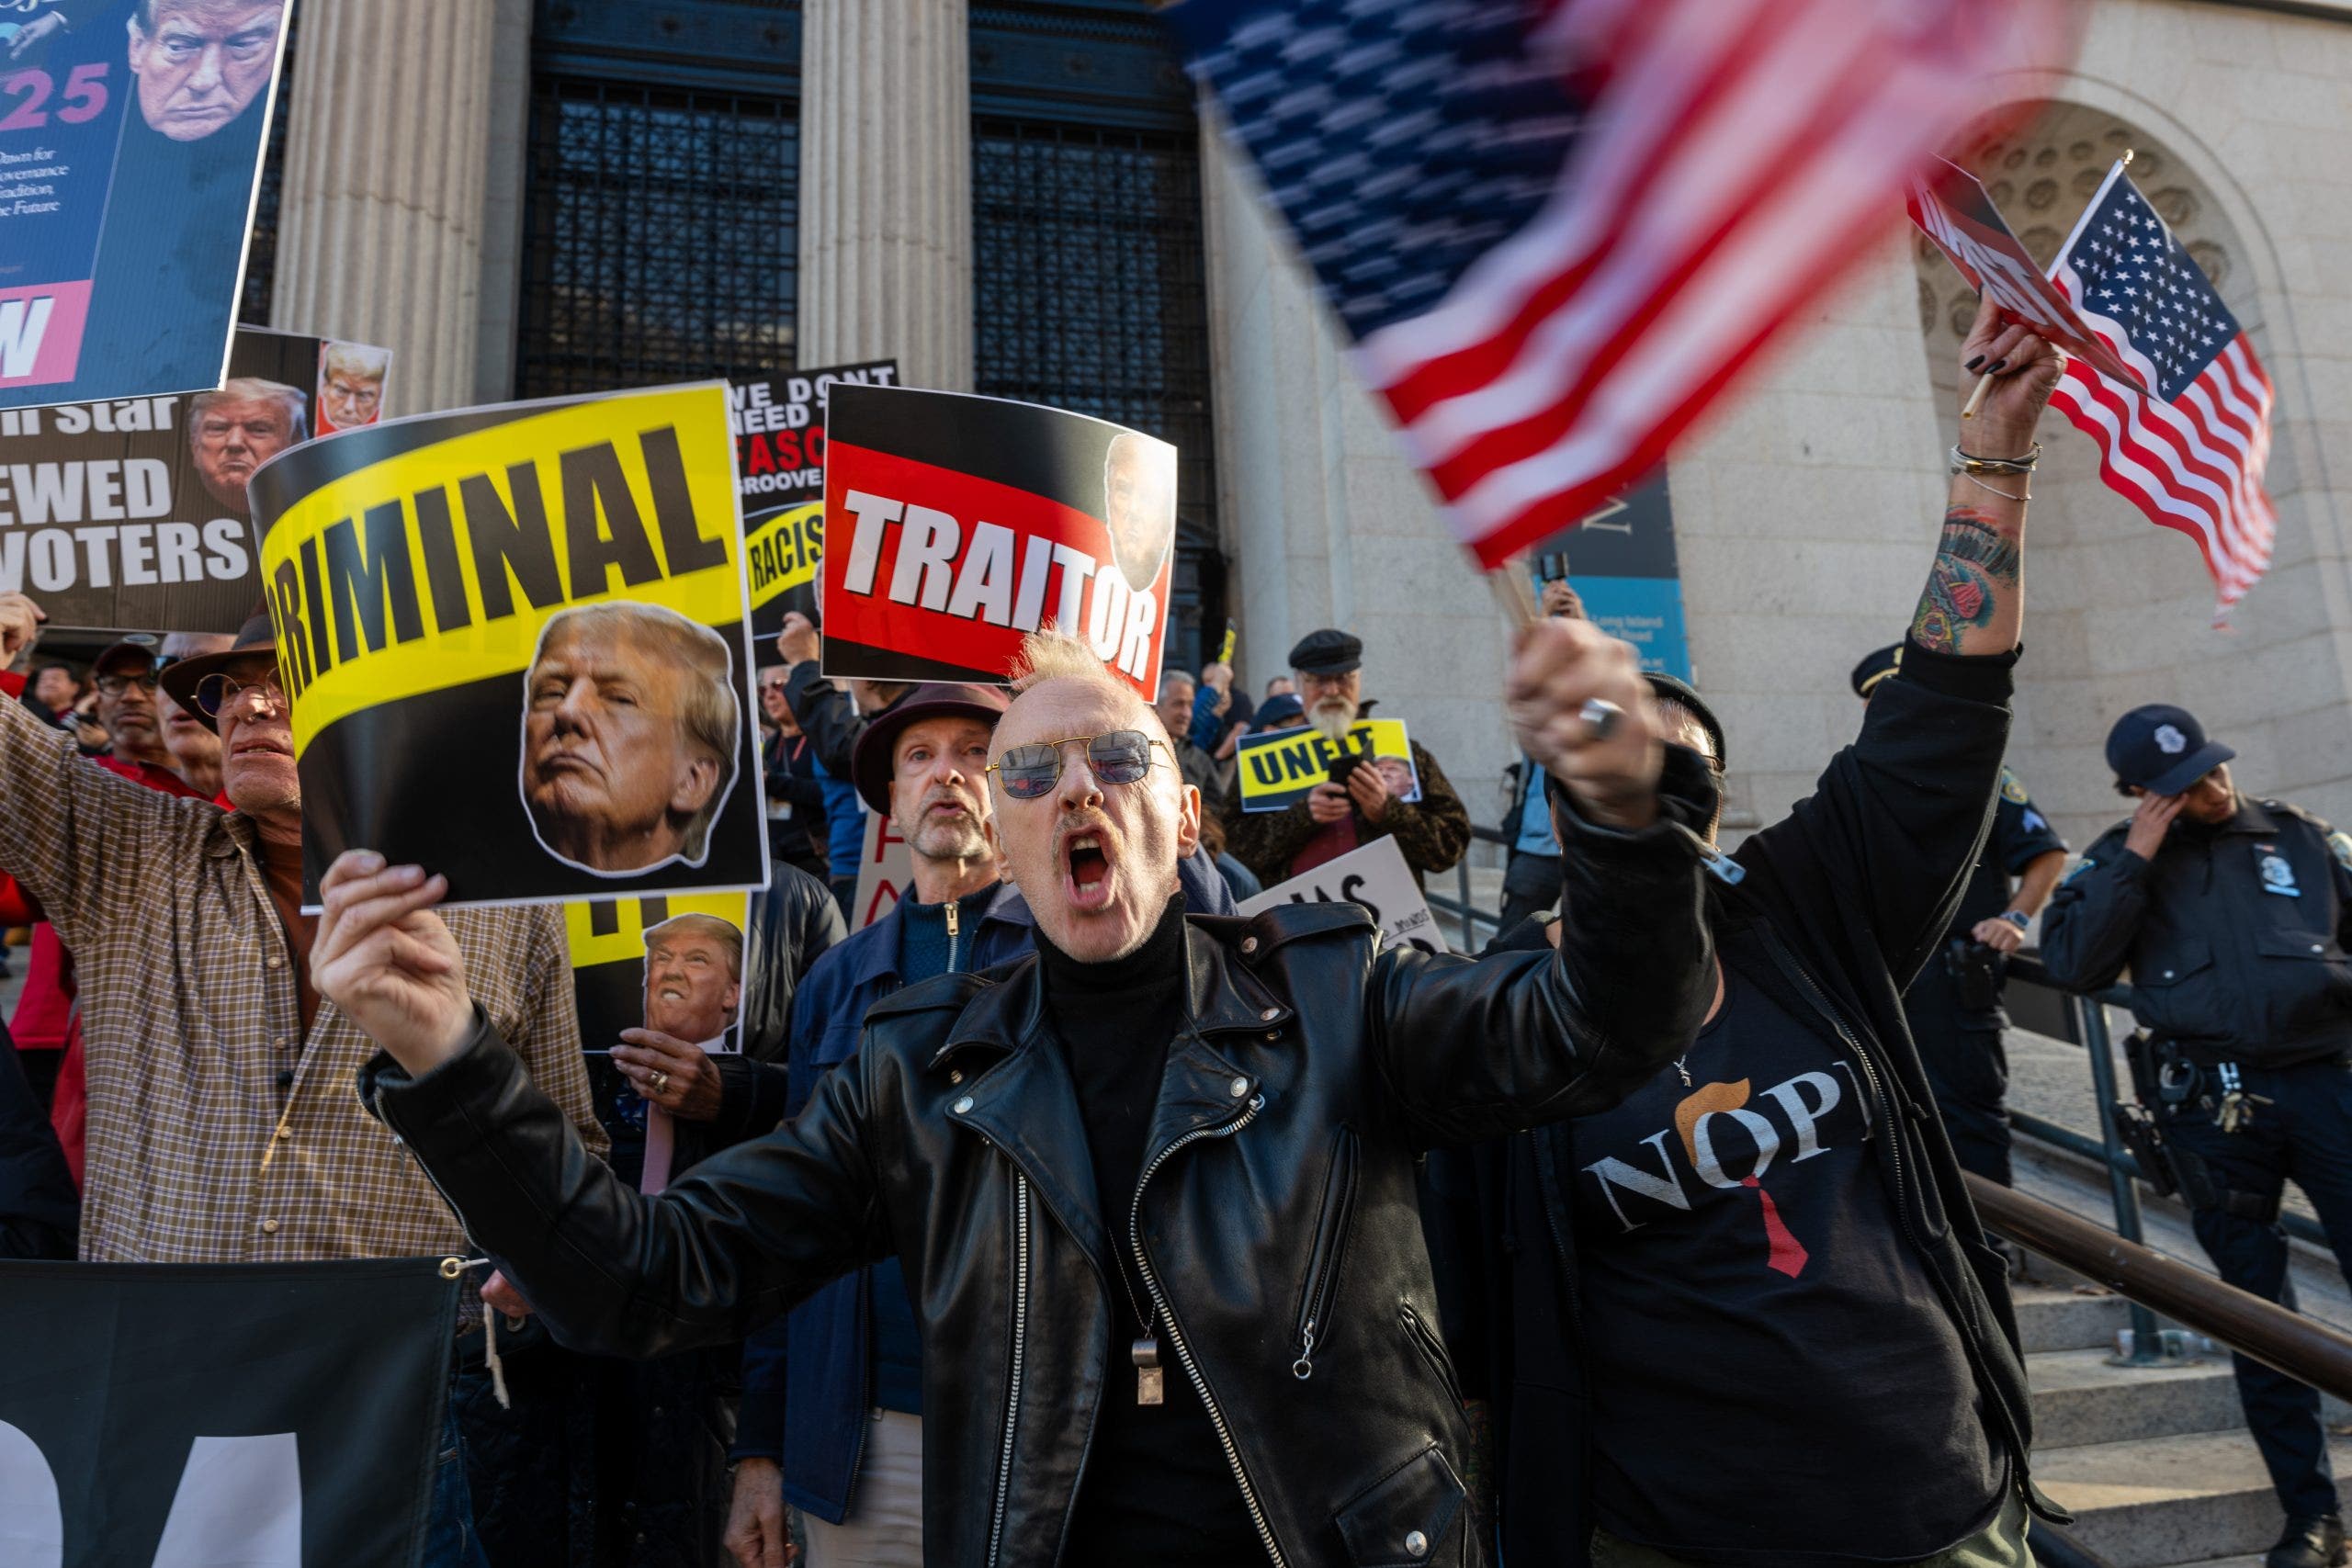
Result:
pixel 1602 714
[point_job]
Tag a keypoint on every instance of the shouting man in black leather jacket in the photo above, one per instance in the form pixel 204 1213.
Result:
pixel 1152 1188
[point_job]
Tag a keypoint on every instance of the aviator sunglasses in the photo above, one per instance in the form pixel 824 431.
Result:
pixel 1116 757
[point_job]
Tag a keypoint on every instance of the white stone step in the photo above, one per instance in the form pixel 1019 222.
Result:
pixel 2156 1502
pixel 2055 1318
pixel 2079 1399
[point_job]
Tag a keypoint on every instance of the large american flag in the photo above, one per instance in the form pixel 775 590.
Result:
pixel 2191 455
pixel 1558 228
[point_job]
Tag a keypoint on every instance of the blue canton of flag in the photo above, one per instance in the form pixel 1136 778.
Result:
pixel 2137 275
pixel 1558 229
pixel 1402 138
pixel 2191 453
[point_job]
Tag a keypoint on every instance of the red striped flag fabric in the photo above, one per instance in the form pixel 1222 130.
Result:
pixel 2191 452
pixel 1557 230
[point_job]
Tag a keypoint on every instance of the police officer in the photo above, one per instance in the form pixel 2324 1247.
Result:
pixel 2232 915
pixel 1954 1007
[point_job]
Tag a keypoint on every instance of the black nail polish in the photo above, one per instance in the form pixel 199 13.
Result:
pixel 1996 368
pixel 1976 362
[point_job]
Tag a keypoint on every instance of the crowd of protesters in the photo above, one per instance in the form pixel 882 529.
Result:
pixel 1057 1211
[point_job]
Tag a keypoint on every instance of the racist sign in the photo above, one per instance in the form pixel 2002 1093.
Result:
pixel 780 472
pixel 1374 876
pixel 268 1416
pixel 131 135
pixel 954 524
pixel 1280 768
pixel 131 514
pixel 516 640
pixel 886 871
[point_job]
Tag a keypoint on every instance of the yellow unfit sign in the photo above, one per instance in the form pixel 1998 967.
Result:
pixel 1280 769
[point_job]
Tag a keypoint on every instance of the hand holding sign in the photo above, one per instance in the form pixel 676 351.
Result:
pixel 386 959
pixel 1370 793
pixel 1560 666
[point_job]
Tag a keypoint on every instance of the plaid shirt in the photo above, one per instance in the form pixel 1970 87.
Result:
pixel 191 1017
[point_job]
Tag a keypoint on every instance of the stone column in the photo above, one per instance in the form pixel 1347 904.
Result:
pixel 1326 522
pixel 885 187
pixel 383 220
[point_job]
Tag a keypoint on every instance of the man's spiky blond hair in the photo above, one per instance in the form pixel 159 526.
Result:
pixel 1051 654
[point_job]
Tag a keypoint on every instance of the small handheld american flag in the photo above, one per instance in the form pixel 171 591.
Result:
pixel 2191 452
pixel 1558 229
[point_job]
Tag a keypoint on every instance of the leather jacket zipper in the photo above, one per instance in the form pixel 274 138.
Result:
pixel 1020 1344
pixel 1323 1263
pixel 952 932
pixel 1896 1131
pixel 1176 1336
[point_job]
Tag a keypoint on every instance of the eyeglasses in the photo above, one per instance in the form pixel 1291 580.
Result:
pixel 1116 757
pixel 115 685
pixel 218 693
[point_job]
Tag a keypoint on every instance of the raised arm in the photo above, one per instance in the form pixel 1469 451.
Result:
pixel 1897 818
pixel 69 833
pixel 1473 1049
pixel 742 1237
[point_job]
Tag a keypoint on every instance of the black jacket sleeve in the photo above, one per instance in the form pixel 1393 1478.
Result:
pixel 2088 931
pixel 40 1213
pixel 1567 1033
pixel 801 1207
pixel 827 717
pixel 1896 821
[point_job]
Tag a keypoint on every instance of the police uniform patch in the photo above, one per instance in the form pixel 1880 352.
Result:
pixel 2341 842
pixel 2278 877
pixel 2012 788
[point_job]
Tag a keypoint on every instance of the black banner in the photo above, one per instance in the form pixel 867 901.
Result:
pixel 779 426
pixel 271 1416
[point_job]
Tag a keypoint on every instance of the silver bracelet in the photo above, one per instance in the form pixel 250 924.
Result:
pixel 1988 490
pixel 1963 462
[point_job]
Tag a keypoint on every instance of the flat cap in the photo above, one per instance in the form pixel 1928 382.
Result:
pixel 1327 652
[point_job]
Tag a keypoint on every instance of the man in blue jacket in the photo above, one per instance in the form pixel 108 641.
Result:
pixel 831 1416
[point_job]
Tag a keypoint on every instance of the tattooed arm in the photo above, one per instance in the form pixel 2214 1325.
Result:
pixel 1975 596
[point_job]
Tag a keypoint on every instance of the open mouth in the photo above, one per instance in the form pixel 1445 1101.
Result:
pixel 262 749
pixel 1087 859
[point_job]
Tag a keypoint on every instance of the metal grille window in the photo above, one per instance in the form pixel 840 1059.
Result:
pixel 1090 296
pixel 661 235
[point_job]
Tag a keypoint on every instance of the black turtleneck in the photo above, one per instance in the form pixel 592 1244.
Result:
pixel 1157 1489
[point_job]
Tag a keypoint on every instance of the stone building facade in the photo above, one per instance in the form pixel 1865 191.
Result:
pixel 1020 196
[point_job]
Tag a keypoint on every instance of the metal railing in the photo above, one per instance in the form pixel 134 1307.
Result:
pixel 1466 915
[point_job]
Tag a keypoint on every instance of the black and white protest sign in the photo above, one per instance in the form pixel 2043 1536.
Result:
pixel 780 473
pixel 1374 876
pixel 131 515
pixel 264 1416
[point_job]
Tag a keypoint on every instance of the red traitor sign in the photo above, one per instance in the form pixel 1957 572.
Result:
pixel 955 525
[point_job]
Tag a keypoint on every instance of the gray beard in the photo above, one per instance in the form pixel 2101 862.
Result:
pixel 1332 718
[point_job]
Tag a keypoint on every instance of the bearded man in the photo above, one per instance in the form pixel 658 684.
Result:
pixel 1335 818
